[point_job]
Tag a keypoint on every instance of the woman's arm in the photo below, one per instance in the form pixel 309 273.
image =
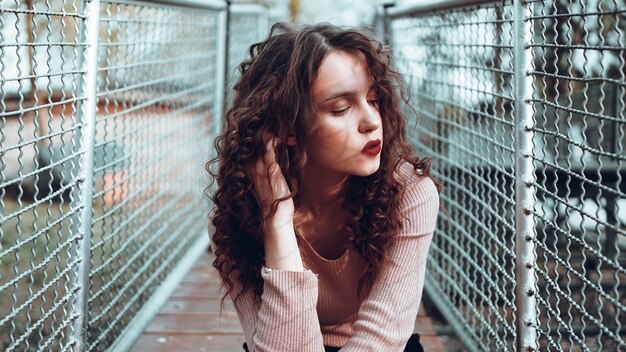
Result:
pixel 285 318
pixel 281 247
pixel 280 244
pixel 386 318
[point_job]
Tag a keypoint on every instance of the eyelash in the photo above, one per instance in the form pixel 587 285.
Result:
pixel 341 112
pixel 373 102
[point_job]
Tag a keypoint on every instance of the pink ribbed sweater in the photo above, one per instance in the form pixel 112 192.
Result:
pixel 303 311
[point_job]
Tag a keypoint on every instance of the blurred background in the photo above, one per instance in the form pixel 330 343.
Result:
pixel 348 12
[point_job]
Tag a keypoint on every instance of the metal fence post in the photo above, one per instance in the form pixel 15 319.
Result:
pixel 84 140
pixel 524 184
pixel 223 63
pixel 386 22
pixel 221 67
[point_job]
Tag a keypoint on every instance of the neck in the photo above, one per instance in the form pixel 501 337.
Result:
pixel 320 193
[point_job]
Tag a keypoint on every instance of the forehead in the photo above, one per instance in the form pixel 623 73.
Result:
pixel 340 71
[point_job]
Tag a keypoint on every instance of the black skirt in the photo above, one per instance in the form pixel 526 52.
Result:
pixel 414 345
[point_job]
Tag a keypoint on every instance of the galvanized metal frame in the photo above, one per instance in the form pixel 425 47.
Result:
pixel 86 134
pixel 552 96
pixel 88 317
pixel 139 323
pixel 526 287
pixel 159 296
pixel 222 64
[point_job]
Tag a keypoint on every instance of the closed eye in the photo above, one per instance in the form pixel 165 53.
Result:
pixel 340 112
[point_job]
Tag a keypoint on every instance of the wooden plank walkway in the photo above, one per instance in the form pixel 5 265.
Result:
pixel 191 321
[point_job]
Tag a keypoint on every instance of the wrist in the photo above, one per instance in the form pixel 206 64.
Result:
pixel 281 218
pixel 278 224
pixel 281 247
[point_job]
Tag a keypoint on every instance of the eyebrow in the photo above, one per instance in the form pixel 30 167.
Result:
pixel 344 93
pixel 340 94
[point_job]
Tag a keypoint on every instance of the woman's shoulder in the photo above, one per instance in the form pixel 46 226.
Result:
pixel 419 202
pixel 413 180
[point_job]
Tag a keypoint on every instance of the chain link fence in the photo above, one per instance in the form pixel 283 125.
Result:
pixel 247 24
pixel 521 107
pixel 107 113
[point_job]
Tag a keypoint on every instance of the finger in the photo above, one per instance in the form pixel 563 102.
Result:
pixel 270 151
pixel 265 176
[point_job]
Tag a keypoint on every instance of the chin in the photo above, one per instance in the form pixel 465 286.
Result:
pixel 367 170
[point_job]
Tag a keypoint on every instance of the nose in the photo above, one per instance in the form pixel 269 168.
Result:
pixel 370 119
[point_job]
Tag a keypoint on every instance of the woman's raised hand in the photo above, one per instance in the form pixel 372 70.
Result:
pixel 280 244
pixel 270 185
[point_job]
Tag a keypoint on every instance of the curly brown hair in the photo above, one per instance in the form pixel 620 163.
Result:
pixel 273 95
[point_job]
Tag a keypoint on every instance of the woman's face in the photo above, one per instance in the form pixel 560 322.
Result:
pixel 348 136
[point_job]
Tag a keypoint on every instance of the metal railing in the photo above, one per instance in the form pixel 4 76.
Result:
pixel 521 107
pixel 108 109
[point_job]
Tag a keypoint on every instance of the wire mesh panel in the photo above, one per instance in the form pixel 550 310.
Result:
pixel 156 96
pixel 460 65
pixel 156 83
pixel 579 53
pixel 248 24
pixel 39 71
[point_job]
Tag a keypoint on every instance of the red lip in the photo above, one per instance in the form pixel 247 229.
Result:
pixel 372 147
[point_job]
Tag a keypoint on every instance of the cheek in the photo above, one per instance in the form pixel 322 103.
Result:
pixel 331 142
pixel 336 136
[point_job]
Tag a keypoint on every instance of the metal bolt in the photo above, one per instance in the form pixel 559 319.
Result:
pixel 528 180
pixel 528 236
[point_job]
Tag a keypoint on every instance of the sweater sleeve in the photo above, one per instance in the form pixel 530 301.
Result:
pixel 386 317
pixel 285 319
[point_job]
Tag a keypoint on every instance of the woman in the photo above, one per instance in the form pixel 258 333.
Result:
pixel 323 217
